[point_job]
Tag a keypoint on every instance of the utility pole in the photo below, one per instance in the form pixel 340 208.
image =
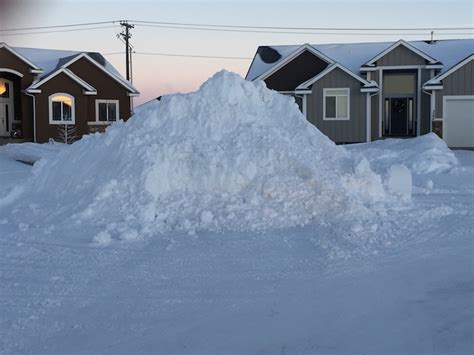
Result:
pixel 125 34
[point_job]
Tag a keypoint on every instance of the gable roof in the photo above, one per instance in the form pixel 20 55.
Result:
pixel 289 58
pixel 19 55
pixel 89 89
pixel 87 56
pixel 354 55
pixel 51 60
pixel 405 44
pixel 329 69
pixel 436 81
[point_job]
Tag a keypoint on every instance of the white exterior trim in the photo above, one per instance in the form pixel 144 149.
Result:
pixel 288 59
pixel 305 106
pixel 73 109
pixel 67 72
pixel 296 92
pixel 433 87
pixel 368 118
pixel 100 123
pixel 451 97
pixel 348 94
pixel 418 103
pixel 117 107
pixel 326 71
pixel 437 80
pixel 390 67
pixel 380 102
pixel 12 71
pixel 121 81
pixel 12 51
pixel 407 45
pixel 432 109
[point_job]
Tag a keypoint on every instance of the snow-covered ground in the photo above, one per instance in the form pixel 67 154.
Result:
pixel 382 265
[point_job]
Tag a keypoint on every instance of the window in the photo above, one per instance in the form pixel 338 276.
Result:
pixel 4 89
pixel 399 84
pixel 336 104
pixel 106 110
pixel 61 109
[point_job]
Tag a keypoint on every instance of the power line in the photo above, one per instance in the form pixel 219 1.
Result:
pixel 235 27
pixel 302 33
pixel 60 26
pixel 305 28
pixel 57 31
pixel 191 55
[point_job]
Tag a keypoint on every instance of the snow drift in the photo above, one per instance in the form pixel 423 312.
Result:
pixel 422 155
pixel 233 155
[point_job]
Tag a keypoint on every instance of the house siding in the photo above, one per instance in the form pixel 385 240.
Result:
pixel 60 84
pixel 302 68
pixel 107 88
pixel 351 131
pixel 400 56
pixel 460 82
pixel 23 103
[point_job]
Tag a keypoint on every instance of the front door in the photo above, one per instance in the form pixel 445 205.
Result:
pixel 4 119
pixel 6 107
pixel 399 116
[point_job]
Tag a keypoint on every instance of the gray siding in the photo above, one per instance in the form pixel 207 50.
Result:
pixel 400 56
pixel 375 108
pixel 425 115
pixel 351 131
pixel 461 82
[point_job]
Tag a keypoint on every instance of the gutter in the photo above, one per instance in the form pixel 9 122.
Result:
pixel 34 113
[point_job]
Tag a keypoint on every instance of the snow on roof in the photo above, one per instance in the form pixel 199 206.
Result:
pixel 354 55
pixel 50 60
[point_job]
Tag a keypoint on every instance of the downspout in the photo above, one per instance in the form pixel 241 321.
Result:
pixel 34 114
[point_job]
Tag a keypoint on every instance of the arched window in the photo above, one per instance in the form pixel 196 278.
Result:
pixel 61 109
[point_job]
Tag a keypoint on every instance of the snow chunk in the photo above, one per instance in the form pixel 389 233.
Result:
pixel 399 181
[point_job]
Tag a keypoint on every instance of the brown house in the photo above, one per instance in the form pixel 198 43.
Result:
pixel 43 91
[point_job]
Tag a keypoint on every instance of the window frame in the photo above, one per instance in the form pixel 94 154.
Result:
pixel 73 109
pixel 327 93
pixel 107 101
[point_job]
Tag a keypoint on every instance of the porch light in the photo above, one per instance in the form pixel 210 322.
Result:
pixel 3 87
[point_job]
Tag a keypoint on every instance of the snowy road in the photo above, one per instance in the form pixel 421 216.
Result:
pixel 297 291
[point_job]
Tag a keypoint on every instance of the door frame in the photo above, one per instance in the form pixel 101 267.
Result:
pixel 11 108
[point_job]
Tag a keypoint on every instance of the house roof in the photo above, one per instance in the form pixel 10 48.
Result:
pixel 354 55
pixel 436 81
pixel 51 60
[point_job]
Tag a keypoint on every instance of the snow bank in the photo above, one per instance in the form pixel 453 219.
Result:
pixel 424 154
pixel 233 155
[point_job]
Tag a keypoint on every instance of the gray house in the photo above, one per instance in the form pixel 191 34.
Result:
pixel 359 92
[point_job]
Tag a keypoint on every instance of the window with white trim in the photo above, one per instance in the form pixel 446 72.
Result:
pixel 61 109
pixel 336 104
pixel 106 110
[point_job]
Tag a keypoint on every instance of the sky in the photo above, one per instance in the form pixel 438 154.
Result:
pixel 159 75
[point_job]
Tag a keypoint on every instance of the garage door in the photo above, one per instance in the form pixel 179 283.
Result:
pixel 458 125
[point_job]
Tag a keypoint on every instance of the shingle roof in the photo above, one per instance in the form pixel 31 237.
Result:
pixel 50 60
pixel 354 55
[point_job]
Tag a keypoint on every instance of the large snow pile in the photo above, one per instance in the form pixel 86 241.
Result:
pixel 233 155
pixel 424 154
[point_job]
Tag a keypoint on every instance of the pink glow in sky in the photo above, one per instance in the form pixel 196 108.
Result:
pixel 157 75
